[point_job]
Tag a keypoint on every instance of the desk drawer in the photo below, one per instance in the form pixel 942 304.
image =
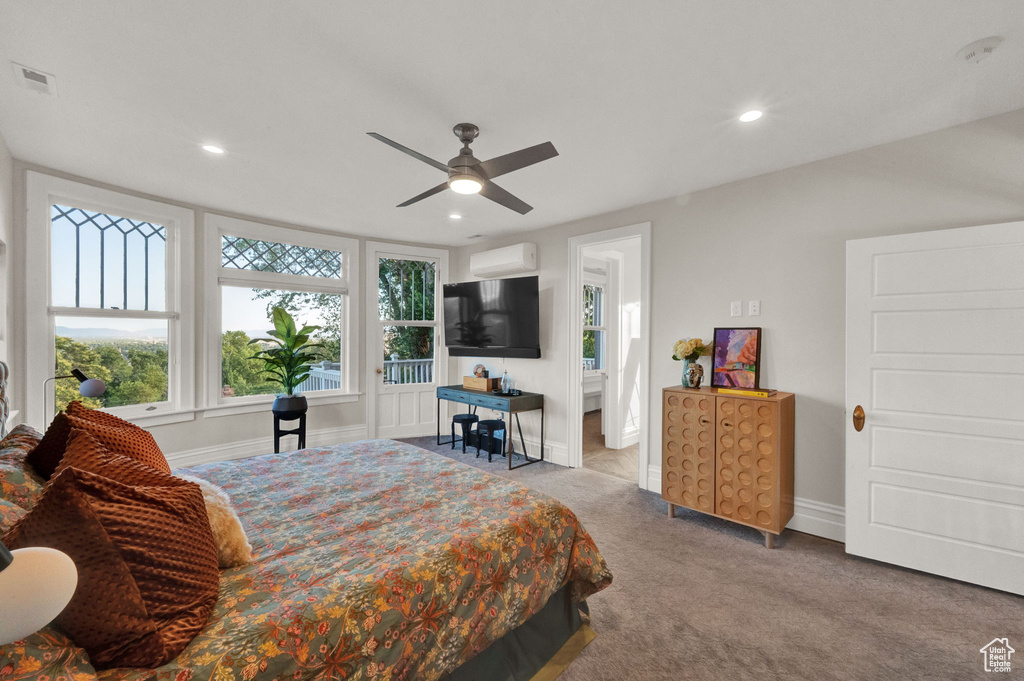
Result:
pixel 454 395
pixel 488 402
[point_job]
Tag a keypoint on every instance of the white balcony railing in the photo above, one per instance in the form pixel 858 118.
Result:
pixel 589 363
pixel 327 375
pixel 402 371
pixel 323 376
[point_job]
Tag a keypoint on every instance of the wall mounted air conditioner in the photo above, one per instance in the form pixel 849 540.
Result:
pixel 518 258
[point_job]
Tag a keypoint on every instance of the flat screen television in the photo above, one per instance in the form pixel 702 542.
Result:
pixel 492 318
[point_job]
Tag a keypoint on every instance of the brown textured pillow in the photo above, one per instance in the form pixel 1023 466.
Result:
pixel 118 435
pixel 46 455
pixel 147 564
pixel 85 452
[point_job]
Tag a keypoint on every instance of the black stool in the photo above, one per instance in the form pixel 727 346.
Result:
pixel 485 431
pixel 466 421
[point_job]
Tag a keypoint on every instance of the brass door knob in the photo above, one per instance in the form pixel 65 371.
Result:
pixel 858 418
pixel 379 370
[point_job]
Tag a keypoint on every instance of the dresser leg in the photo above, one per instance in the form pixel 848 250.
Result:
pixel 769 540
pixel 671 510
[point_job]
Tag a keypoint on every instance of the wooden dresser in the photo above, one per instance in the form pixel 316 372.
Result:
pixel 729 456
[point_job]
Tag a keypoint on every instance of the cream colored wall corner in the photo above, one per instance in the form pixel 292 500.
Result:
pixel 778 238
pixel 6 230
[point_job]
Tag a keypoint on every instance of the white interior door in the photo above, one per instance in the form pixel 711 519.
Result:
pixel 405 347
pixel 935 356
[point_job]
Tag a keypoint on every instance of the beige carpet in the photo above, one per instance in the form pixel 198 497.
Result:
pixel 622 463
pixel 698 598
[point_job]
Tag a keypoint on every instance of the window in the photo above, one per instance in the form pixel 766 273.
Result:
pixel 257 268
pixel 105 292
pixel 405 302
pixel 593 328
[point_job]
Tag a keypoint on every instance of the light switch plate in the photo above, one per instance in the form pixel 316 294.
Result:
pixel 736 308
pixel 754 308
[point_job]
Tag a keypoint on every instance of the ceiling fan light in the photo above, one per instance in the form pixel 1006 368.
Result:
pixel 465 184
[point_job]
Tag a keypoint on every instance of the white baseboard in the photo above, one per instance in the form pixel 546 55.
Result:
pixel 819 519
pixel 654 478
pixel 262 445
pixel 554 452
pixel 812 517
pixel 630 437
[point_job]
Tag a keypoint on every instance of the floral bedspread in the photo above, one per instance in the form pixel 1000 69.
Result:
pixel 377 561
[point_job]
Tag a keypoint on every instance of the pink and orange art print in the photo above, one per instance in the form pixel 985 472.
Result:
pixel 736 358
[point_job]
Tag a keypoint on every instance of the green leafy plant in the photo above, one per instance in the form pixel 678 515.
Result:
pixel 289 360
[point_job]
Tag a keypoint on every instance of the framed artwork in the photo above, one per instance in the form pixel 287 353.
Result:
pixel 737 358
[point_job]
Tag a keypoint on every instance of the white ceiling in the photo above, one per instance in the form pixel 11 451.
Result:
pixel 640 98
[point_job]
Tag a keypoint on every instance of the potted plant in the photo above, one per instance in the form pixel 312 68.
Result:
pixel 288 361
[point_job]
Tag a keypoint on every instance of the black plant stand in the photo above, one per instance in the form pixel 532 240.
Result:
pixel 300 431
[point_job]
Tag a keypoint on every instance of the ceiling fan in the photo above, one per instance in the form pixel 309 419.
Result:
pixel 468 175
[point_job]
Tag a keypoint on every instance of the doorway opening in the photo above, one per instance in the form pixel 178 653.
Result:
pixel 610 289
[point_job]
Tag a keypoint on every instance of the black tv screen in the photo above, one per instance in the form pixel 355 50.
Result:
pixel 492 318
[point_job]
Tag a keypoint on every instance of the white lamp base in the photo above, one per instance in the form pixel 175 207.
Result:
pixel 34 588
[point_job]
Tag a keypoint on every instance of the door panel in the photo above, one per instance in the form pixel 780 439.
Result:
pixel 688 475
pixel 405 347
pixel 748 461
pixel 935 355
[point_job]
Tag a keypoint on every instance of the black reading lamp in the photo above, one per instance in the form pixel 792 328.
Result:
pixel 89 387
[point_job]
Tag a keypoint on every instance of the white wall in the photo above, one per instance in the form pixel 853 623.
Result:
pixel 780 238
pixel 6 229
pixel 213 435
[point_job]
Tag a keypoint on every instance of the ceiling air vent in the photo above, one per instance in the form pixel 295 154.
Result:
pixel 979 49
pixel 34 79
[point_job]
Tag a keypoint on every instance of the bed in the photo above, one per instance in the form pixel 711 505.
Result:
pixel 373 560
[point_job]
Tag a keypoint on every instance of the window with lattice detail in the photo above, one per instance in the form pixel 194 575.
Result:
pixel 105 261
pixel 270 256
pixel 108 293
pixel 405 301
pixel 260 268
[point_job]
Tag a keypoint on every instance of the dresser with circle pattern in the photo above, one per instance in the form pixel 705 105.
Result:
pixel 730 456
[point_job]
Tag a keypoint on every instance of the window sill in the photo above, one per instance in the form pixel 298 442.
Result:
pixel 219 410
pixel 163 418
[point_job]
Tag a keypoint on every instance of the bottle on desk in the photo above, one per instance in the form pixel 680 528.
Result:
pixel 506 383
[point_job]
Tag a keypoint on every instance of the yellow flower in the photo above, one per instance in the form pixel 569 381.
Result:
pixel 690 348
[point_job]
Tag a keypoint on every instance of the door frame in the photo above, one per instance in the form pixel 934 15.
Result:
pixel 373 250
pixel 575 369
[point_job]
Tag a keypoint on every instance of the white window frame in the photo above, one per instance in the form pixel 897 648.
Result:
pixel 42 192
pixel 218 226
pixel 599 281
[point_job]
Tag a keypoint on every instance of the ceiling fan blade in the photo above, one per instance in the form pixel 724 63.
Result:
pixel 415 154
pixel 499 165
pixel 499 195
pixel 430 192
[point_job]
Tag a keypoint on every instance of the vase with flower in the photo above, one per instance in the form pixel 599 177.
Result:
pixel 689 350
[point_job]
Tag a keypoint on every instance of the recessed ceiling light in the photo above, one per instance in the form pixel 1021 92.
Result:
pixel 455 216
pixel 750 116
pixel 213 149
